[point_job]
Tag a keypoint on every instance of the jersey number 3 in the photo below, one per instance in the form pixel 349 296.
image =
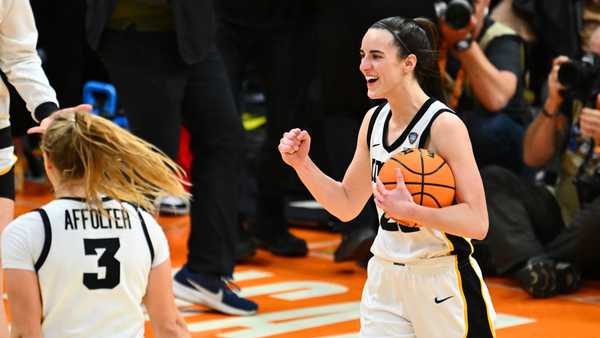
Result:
pixel 107 260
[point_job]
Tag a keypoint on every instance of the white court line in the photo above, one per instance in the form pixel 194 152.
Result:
pixel 323 255
pixel 324 244
pixel 239 276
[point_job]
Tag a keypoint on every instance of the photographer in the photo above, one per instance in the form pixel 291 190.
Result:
pixel 544 238
pixel 485 67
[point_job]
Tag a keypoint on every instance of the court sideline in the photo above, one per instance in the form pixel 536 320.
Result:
pixel 313 297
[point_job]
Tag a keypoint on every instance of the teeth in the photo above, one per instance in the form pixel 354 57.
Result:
pixel 369 78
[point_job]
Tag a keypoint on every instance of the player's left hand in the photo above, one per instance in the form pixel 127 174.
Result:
pixel 397 203
pixel 48 120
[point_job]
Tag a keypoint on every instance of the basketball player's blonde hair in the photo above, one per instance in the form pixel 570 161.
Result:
pixel 94 152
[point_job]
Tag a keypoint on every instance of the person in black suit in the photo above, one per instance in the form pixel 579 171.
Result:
pixel 163 59
pixel 272 36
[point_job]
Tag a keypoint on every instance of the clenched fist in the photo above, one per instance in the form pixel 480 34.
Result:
pixel 294 147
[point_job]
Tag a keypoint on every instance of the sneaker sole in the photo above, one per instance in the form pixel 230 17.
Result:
pixel 361 251
pixel 173 211
pixel 281 253
pixel 540 281
pixel 189 295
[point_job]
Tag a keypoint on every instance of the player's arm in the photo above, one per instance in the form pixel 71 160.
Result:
pixel 19 59
pixel 468 217
pixel 343 199
pixel 24 303
pixel 160 304
pixel 20 248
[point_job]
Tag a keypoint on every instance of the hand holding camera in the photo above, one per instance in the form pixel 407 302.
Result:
pixel 555 87
pixel 456 22
pixel 589 121
pixel 581 79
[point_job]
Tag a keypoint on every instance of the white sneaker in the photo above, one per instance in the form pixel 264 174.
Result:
pixel 172 205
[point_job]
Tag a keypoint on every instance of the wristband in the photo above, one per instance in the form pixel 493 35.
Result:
pixel 548 115
pixel 44 110
pixel 463 44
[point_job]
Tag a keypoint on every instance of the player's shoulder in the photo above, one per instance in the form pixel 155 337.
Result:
pixel 373 112
pixel 135 210
pixel 448 130
pixel 146 217
pixel 31 217
pixel 24 225
pixel 447 118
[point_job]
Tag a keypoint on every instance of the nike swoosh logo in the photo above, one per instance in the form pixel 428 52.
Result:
pixel 437 301
pixel 217 296
pixel 378 144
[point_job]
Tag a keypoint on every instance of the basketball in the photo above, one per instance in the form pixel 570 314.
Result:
pixel 427 176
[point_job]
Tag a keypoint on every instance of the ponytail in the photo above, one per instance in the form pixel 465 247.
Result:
pixel 432 78
pixel 420 37
pixel 105 159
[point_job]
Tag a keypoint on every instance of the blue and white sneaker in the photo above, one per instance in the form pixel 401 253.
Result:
pixel 210 291
pixel 172 205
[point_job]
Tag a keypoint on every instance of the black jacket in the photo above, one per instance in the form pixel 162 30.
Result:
pixel 195 25
pixel 557 23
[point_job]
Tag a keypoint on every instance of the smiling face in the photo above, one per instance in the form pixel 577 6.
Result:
pixel 384 70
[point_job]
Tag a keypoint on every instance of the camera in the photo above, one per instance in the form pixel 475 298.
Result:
pixel 457 13
pixel 581 79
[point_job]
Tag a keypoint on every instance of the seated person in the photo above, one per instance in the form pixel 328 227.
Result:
pixel 545 238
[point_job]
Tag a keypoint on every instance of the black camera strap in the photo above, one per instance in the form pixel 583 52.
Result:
pixel 586 160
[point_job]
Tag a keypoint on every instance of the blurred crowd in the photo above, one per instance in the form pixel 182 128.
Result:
pixel 522 74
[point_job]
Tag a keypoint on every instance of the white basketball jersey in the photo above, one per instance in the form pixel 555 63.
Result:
pixel 396 242
pixel 92 270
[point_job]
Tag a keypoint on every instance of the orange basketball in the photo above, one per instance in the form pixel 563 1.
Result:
pixel 427 176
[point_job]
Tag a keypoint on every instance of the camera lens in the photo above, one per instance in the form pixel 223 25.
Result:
pixel 569 74
pixel 458 13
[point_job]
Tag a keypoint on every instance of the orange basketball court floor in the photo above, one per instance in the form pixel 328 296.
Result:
pixel 315 297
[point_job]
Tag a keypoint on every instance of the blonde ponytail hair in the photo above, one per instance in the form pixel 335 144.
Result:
pixel 91 151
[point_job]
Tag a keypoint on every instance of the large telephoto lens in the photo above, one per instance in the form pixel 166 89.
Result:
pixel 458 14
pixel 569 74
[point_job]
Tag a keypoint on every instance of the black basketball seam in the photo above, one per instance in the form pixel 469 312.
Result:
pixel 428 194
pixel 416 172
pixel 405 167
pixel 422 176
pixel 432 197
pixel 426 183
pixel 436 169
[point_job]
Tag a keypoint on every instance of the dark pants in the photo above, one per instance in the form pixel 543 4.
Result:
pixel 497 140
pixel 526 221
pixel 274 52
pixel 160 94
pixel 340 145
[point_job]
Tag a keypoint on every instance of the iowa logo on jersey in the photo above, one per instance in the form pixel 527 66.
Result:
pixel 412 137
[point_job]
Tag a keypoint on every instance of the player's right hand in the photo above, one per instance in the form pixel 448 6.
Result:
pixel 294 147
pixel 45 123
